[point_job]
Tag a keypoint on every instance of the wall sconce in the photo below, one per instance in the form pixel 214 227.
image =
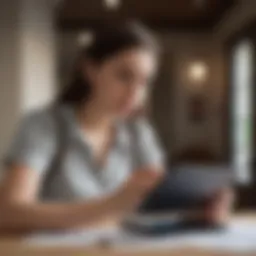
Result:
pixel 85 38
pixel 112 4
pixel 198 73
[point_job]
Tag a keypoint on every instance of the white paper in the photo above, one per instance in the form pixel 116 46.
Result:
pixel 72 238
pixel 240 236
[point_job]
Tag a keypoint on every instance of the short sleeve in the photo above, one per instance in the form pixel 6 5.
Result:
pixel 146 146
pixel 34 142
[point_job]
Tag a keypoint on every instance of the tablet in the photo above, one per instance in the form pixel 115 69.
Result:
pixel 157 226
pixel 187 187
pixel 182 192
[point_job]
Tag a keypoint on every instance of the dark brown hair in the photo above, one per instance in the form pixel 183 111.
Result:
pixel 106 43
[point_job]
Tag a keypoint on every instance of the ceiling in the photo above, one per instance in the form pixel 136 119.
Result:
pixel 159 14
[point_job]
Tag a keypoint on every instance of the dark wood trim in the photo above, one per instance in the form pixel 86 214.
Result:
pixel 159 25
pixel 226 104
pixel 226 6
pixel 198 24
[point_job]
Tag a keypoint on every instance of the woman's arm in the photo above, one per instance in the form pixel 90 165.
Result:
pixel 20 209
pixel 29 157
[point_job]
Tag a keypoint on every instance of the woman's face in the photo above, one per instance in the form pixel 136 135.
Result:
pixel 120 83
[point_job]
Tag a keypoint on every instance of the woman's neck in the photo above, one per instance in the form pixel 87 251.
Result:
pixel 93 116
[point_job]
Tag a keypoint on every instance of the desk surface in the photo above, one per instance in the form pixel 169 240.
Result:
pixel 14 246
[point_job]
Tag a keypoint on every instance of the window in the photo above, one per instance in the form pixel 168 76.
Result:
pixel 242 110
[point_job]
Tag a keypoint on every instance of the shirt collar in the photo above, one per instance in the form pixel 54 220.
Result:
pixel 121 138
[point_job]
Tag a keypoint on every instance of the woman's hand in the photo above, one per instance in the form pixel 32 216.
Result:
pixel 218 209
pixel 145 178
pixel 136 187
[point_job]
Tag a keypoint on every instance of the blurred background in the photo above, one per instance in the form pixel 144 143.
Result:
pixel 202 104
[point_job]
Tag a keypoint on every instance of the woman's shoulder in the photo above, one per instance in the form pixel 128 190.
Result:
pixel 40 117
pixel 35 139
pixel 44 121
pixel 48 121
pixel 47 115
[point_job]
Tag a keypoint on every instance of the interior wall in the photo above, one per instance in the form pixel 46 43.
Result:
pixel 9 69
pixel 182 50
pixel 37 54
pixel 27 67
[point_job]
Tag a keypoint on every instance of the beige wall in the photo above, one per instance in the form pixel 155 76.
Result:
pixel 9 70
pixel 37 54
pixel 27 67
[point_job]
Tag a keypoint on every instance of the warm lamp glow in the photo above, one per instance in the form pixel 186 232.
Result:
pixel 112 4
pixel 198 72
pixel 85 38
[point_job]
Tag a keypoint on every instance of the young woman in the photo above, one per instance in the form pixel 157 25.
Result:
pixel 105 159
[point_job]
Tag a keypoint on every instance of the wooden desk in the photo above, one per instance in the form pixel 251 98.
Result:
pixel 14 246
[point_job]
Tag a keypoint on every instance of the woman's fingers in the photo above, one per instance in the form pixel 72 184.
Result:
pixel 219 208
pixel 146 178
